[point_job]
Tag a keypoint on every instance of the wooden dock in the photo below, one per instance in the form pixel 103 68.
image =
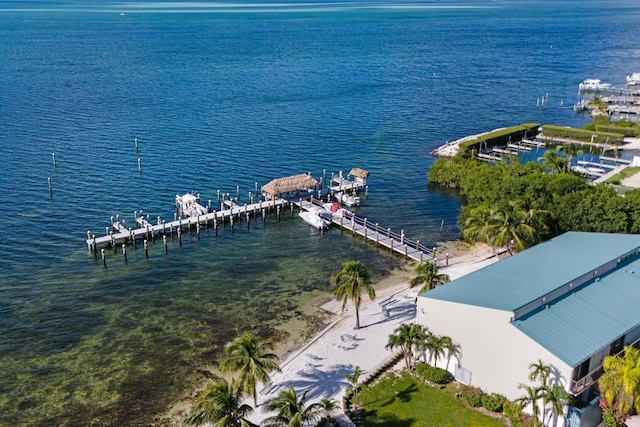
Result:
pixel 119 235
pixel 147 231
pixel 395 242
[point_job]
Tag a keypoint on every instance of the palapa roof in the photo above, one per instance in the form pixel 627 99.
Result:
pixel 360 173
pixel 289 183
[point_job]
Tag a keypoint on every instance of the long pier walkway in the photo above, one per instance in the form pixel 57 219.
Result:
pixel 396 242
pixel 146 230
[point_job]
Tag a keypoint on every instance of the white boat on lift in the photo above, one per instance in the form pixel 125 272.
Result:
pixel 187 205
pixel 347 199
pixel 593 85
pixel 633 79
pixel 314 220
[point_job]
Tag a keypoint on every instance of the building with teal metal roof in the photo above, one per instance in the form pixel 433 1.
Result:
pixel 570 302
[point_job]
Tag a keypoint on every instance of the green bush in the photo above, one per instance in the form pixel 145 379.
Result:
pixel 626 131
pixel 472 395
pixel 493 402
pixel 514 413
pixel 582 134
pixel 498 137
pixel 433 375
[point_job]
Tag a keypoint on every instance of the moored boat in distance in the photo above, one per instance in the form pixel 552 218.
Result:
pixel 593 85
pixel 633 79
pixel 314 220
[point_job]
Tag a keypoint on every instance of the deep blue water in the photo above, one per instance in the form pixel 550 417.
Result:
pixel 221 95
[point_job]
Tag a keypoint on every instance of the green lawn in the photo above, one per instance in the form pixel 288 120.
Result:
pixel 404 402
pixel 625 173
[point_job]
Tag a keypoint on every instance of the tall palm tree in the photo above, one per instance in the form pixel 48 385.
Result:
pixel 435 346
pixel 511 225
pixel 570 150
pixel 452 349
pixel 252 359
pixel 620 383
pixel 539 371
pixel 555 397
pixel 427 274
pixel 407 336
pixel 220 406
pixel 531 397
pixel 350 283
pixel 291 411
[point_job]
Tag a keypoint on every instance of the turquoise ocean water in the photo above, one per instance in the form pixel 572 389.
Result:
pixel 224 95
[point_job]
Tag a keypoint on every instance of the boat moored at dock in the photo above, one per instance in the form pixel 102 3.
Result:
pixel 593 85
pixel 314 220
pixel 633 79
pixel 187 206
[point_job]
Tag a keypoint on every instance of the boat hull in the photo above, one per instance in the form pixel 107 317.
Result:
pixel 314 220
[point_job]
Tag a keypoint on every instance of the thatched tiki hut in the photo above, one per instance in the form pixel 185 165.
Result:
pixel 287 184
pixel 359 175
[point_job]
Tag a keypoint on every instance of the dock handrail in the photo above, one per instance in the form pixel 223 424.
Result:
pixel 378 231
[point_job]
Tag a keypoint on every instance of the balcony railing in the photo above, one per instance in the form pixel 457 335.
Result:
pixel 587 381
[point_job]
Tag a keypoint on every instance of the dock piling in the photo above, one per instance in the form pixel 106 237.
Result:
pixel 164 242
pixel 104 258
pixel 50 186
pixel 146 248
pixel 53 156
pixel 139 165
pixel 124 252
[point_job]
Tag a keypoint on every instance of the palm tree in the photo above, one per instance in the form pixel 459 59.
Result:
pixel 220 405
pixel 598 105
pixel 531 397
pixel 620 383
pixel 252 359
pixel 511 225
pixel 539 371
pixel 406 336
pixel 554 162
pixel 555 397
pixel 350 283
pixel 353 380
pixel 476 225
pixel 435 345
pixel 570 150
pixel 325 406
pixel 452 349
pixel 427 274
pixel 291 411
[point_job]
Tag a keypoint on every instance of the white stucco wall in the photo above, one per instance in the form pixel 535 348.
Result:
pixel 496 352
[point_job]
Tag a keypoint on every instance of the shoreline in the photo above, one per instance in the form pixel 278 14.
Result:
pixel 326 345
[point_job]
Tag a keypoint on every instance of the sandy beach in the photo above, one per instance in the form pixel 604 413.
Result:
pixel 320 365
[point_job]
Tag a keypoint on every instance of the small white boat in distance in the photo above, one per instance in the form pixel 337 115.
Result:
pixel 314 220
pixel 348 199
pixel 187 205
pixel 593 85
pixel 633 79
